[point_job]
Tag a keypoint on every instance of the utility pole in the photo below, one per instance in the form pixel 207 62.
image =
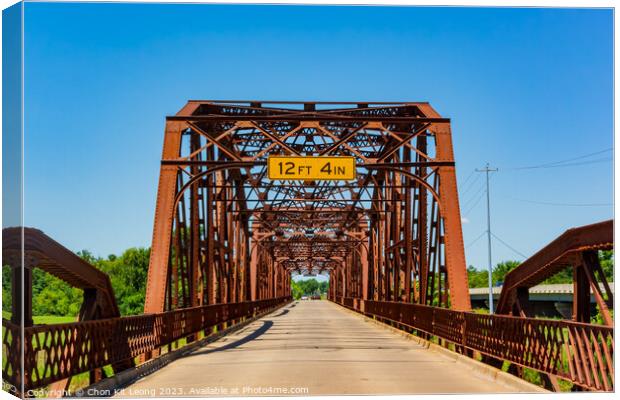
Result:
pixel 487 170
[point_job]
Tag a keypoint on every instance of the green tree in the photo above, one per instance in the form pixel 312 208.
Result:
pixel 7 299
pixel 480 278
pixel 606 258
pixel 308 287
pixel 296 291
pixel 53 296
pixel 563 276
pixel 476 278
pixel 128 274
pixel 88 257
pixel 311 287
pixel 501 270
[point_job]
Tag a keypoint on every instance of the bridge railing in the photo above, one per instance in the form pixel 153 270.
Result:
pixel 578 352
pixel 59 351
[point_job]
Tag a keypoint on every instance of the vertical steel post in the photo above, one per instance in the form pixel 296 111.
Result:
pixel 164 215
pixel 451 215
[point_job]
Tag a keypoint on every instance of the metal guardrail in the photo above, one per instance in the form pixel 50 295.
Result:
pixel 578 352
pixel 59 351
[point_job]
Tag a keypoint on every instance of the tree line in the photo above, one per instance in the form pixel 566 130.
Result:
pixel 128 274
pixel 479 277
pixel 308 287
pixel 52 296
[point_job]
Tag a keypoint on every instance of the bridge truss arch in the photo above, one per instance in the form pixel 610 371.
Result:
pixel 224 232
pixel 227 240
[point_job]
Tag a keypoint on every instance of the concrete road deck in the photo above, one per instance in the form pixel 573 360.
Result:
pixel 315 348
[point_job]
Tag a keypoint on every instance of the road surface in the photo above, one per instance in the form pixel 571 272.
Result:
pixel 315 348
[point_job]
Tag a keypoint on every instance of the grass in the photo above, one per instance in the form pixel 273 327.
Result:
pixel 45 319
pixel 52 319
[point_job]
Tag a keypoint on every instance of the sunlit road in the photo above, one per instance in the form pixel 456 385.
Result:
pixel 313 348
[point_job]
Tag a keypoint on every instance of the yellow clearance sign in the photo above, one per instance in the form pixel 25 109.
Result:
pixel 311 168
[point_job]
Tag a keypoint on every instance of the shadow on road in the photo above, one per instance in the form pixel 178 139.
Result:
pixel 260 331
pixel 283 312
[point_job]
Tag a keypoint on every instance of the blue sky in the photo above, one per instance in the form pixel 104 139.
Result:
pixel 523 87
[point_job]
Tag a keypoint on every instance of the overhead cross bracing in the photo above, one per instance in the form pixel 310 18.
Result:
pixel 229 233
pixel 225 232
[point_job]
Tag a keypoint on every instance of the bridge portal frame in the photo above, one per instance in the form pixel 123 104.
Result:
pixel 217 232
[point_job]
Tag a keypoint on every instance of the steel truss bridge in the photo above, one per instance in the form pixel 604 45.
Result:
pixel 227 240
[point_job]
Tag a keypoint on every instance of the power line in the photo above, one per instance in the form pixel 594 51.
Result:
pixel 566 162
pixel 471 185
pixel 597 161
pixel 473 201
pixel 474 204
pixel 469 177
pixel 509 246
pixel 563 204
pixel 555 163
pixel 474 196
pixel 481 189
pixel 475 240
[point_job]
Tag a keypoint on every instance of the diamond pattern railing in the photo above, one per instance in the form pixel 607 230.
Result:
pixel 578 352
pixel 59 351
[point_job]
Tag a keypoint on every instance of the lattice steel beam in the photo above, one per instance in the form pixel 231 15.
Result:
pixel 222 226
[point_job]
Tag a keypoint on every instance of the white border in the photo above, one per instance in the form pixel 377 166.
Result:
pixel 479 3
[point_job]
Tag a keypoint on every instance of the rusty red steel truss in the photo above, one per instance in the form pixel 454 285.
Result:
pixel 225 232
pixel 227 240
pixel 577 249
pixel 40 251
pixel 577 351
pixel 52 354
